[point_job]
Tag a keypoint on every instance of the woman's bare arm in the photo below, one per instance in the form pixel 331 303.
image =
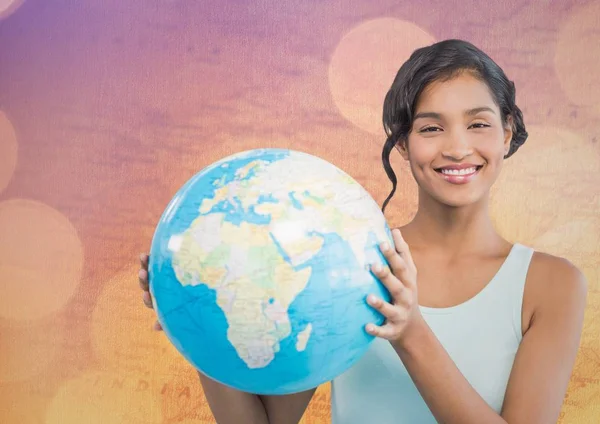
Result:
pixel 542 367
pixel 546 357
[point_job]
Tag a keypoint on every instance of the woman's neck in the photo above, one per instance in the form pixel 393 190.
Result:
pixel 455 230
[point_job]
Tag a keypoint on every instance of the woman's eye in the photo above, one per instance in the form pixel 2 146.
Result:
pixel 479 125
pixel 429 129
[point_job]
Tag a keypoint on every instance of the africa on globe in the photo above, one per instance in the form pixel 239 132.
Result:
pixel 259 270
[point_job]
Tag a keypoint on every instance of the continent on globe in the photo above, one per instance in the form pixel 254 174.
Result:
pixel 253 270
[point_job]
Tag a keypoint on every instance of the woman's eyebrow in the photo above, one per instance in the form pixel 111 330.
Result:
pixel 433 115
pixel 470 112
pixel 476 110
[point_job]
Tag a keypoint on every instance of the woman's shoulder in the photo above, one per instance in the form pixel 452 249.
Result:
pixel 555 269
pixel 554 279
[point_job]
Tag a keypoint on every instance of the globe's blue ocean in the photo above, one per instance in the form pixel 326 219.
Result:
pixel 335 308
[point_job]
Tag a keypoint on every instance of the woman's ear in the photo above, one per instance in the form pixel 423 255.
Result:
pixel 508 133
pixel 402 147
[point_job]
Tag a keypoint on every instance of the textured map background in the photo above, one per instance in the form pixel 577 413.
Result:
pixel 107 108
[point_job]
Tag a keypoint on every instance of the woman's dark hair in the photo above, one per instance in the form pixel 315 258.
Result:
pixel 441 62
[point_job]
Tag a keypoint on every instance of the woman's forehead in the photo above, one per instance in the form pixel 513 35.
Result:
pixel 463 93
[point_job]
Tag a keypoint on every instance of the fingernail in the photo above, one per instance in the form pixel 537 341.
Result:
pixel 384 246
pixel 370 328
pixel 371 299
pixel 376 268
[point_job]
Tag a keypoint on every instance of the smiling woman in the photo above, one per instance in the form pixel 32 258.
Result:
pixel 466 348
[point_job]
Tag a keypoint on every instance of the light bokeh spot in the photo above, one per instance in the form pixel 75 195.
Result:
pixel 577 56
pixel 8 150
pixel 27 349
pixel 41 259
pixel 578 240
pixel 8 7
pixel 365 63
pixel 544 182
pixel 98 397
pixel 122 334
pixel 577 236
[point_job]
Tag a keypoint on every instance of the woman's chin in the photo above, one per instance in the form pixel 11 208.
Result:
pixel 460 200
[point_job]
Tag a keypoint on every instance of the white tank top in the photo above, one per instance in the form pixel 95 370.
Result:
pixel 481 336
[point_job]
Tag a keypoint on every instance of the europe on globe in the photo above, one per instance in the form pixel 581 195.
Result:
pixel 259 270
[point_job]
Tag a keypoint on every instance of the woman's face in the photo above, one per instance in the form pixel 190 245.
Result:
pixel 457 143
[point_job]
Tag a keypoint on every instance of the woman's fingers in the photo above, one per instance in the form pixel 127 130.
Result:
pixel 144 261
pixel 399 276
pixel 400 260
pixel 143 278
pixel 147 298
pixel 388 279
pixel 396 262
pixel 143 272
pixel 408 268
pixel 386 331
pixel 385 308
pixel 144 284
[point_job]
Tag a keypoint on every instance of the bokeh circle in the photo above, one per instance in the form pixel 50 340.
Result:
pixel 577 55
pixel 364 64
pixel 41 259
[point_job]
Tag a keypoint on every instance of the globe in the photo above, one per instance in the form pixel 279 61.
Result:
pixel 259 270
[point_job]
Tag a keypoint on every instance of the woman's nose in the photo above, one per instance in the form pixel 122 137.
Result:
pixel 457 146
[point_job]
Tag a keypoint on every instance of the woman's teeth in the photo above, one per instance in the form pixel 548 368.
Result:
pixel 465 171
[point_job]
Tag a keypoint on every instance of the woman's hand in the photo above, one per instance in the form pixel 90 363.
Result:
pixel 146 296
pixel 400 279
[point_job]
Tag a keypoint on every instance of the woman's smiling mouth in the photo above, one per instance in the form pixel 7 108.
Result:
pixel 458 174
